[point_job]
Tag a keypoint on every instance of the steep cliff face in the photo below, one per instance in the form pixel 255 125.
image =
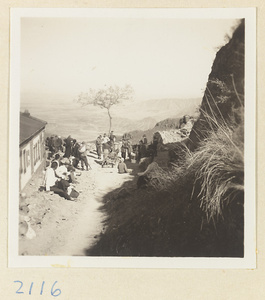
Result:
pixel 224 92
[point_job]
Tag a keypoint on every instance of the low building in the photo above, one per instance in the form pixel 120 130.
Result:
pixel 31 147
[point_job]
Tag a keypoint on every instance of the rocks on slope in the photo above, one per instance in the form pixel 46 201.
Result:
pixel 225 88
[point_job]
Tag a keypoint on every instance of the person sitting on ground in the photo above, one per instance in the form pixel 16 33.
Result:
pixel 55 184
pixel 122 168
pixel 61 171
pixel 109 157
pixel 66 171
pixel 145 177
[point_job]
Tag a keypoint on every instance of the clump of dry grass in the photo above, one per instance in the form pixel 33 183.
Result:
pixel 219 165
pixel 162 179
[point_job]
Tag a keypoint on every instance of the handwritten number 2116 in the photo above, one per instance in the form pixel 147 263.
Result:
pixel 54 292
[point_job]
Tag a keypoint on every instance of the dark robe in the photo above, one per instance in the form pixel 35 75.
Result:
pixel 68 147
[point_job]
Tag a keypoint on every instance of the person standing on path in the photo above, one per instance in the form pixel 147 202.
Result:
pixel 99 146
pixel 83 156
pixel 68 146
pixel 129 149
pixel 76 154
pixel 105 140
pixel 123 148
pixel 112 139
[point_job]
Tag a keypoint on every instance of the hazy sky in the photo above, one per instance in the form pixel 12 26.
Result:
pixel 160 58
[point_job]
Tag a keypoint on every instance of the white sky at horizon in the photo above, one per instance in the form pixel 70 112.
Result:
pixel 160 58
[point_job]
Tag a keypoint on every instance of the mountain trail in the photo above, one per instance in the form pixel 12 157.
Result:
pixel 69 228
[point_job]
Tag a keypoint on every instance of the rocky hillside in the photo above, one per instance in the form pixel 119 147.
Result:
pixel 224 92
pixel 167 124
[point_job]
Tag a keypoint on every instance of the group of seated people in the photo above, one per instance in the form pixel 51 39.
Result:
pixel 60 178
pixel 61 173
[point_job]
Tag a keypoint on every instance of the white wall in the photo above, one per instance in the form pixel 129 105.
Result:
pixel 25 165
pixel 31 157
pixel 37 158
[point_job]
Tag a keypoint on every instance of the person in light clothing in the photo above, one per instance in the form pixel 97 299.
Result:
pixel 83 157
pixel 122 168
pixel 55 184
pixel 62 172
pixel 105 139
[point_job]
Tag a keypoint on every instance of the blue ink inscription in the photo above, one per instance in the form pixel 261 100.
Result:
pixel 54 292
pixel 21 284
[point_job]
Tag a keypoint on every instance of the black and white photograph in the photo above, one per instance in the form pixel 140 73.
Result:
pixel 132 135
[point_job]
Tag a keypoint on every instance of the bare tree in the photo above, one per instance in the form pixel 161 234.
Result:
pixel 106 97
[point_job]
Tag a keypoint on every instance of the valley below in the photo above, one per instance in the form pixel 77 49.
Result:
pixel 86 123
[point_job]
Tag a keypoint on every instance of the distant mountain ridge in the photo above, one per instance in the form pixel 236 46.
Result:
pixel 86 123
pixel 160 109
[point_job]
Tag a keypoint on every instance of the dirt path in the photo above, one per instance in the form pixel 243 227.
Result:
pixel 69 228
